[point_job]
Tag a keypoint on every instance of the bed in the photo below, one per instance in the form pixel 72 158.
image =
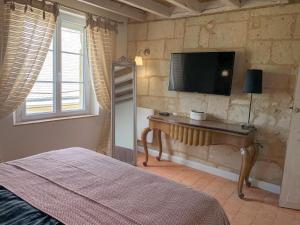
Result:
pixel 78 186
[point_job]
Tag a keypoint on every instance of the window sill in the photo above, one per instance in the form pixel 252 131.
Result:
pixel 53 119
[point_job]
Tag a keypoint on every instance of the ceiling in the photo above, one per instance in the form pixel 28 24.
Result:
pixel 139 10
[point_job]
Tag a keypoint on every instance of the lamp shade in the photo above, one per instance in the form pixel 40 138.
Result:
pixel 253 81
pixel 138 60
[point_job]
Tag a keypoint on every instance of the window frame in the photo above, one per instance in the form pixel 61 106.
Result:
pixel 87 109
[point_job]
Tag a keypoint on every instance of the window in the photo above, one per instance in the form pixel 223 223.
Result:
pixel 62 87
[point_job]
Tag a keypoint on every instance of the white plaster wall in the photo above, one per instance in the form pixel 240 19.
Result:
pixel 25 140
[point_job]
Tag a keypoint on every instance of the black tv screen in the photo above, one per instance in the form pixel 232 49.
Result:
pixel 202 72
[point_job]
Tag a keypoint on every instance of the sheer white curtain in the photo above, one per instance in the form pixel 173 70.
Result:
pixel 25 36
pixel 101 48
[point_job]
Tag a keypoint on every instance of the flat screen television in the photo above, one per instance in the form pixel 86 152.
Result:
pixel 202 72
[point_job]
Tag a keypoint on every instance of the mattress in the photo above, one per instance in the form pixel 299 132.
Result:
pixel 78 186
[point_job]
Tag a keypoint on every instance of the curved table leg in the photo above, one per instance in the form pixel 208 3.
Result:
pixel 244 168
pixel 253 153
pixel 144 140
pixel 160 145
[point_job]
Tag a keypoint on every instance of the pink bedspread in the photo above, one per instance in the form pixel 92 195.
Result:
pixel 81 187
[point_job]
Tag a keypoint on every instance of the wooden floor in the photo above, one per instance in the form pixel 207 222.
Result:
pixel 259 208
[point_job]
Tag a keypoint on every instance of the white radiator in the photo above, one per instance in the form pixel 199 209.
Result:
pixel 143 122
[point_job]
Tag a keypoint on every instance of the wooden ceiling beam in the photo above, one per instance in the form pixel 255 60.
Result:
pixel 217 6
pixel 117 8
pixel 189 5
pixel 197 9
pixel 259 3
pixel 233 3
pixel 150 6
pixel 80 6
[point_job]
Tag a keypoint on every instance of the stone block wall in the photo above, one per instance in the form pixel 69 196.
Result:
pixel 266 38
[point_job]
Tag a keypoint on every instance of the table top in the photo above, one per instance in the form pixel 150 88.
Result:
pixel 207 124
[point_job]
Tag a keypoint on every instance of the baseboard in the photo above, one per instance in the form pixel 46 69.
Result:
pixel 215 171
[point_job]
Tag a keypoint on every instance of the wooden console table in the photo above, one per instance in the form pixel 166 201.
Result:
pixel 204 133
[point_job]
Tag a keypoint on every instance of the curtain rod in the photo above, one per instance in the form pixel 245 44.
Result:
pixel 49 8
pixel 85 12
pixel 42 5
